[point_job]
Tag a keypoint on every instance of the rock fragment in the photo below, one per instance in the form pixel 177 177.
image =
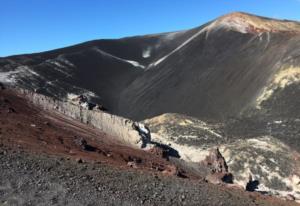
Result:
pixel 217 168
pixel 82 143
pixel 290 197
pixel 252 185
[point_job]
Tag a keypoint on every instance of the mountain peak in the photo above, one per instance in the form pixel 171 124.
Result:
pixel 248 23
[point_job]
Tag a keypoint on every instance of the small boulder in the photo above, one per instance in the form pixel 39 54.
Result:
pixel 220 178
pixel 11 110
pixel 47 123
pixel 217 168
pixel 132 164
pixel 157 151
pixel 172 170
pixel 2 86
pixel 82 143
pixel 290 197
pixel 252 185
pixel 216 162
pixel 99 107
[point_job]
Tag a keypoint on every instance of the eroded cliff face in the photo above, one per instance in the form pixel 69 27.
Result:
pixel 120 128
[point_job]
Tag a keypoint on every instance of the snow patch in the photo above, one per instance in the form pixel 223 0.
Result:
pixel 178 48
pixel 134 63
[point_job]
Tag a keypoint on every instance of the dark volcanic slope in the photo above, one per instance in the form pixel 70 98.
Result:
pixel 234 64
pixel 219 72
pixel 102 69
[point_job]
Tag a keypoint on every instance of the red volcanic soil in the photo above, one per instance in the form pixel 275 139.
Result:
pixel 26 127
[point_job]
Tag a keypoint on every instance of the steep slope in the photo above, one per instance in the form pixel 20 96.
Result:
pixel 219 72
pixel 236 64
pixel 99 69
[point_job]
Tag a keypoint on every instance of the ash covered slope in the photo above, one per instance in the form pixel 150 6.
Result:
pixel 233 64
pixel 100 69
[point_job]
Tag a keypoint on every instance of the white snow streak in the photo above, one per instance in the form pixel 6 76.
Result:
pixel 134 63
pixel 178 48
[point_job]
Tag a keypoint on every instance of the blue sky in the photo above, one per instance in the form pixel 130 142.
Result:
pixel 37 25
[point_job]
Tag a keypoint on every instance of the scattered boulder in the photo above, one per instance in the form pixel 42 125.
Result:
pixel 217 168
pixel 158 151
pixel 215 178
pixel 274 166
pixel 132 164
pixel 220 178
pixel 144 133
pixel 99 107
pixel 137 160
pixel 11 110
pixel 252 185
pixel 157 167
pixel 79 160
pixel 290 197
pixel 79 99
pixel 83 101
pixel 172 170
pixel 2 86
pixel 216 162
pixel 227 178
pixel 82 143
pixel 47 123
